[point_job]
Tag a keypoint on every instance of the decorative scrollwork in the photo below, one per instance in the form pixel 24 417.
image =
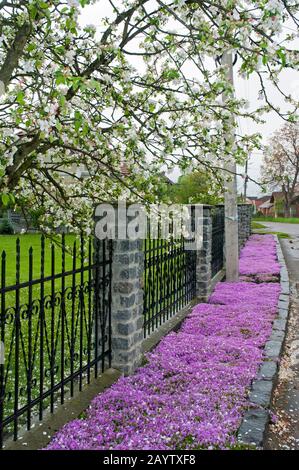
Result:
pixel 51 371
pixel 52 301
pixel 52 335
pixel 10 315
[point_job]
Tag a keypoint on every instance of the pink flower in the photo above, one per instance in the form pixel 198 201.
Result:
pixel 193 392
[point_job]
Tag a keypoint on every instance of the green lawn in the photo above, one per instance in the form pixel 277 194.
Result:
pixel 8 244
pixel 285 220
pixel 279 234
pixel 257 225
pixel 168 288
pixel 75 320
pixel 27 241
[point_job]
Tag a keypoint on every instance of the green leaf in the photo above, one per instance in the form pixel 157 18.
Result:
pixel 58 126
pixel 62 100
pixel 281 54
pixel 171 74
pixel 60 80
pixel 20 97
pixel 31 47
pixel 78 121
pixel 264 59
pixel 76 81
pixel 44 5
pixel 85 130
pixel 292 118
pixel 5 199
pixel 32 11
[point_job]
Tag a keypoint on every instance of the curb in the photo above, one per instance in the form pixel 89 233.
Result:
pixel 255 421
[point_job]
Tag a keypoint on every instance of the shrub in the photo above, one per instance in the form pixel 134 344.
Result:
pixel 6 227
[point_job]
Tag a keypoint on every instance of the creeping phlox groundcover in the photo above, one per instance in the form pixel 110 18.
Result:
pixel 193 391
pixel 258 259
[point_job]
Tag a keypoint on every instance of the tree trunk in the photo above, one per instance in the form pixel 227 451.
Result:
pixel 287 209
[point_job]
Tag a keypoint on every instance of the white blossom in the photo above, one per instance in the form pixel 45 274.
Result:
pixel 62 88
pixel 44 126
pixel 73 3
pixel 70 57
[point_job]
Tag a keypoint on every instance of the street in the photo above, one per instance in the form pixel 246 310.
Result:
pixel 284 431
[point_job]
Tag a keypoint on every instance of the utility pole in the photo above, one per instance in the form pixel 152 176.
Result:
pixel 246 179
pixel 230 195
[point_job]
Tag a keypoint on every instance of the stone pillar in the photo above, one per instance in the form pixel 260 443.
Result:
pixel 204 258
pixel 244 221
pixel 241 225
pixel 127 303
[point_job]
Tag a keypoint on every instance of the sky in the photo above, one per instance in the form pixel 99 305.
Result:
pixel 248 89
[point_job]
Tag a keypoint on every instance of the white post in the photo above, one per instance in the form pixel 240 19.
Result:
pixel 230 197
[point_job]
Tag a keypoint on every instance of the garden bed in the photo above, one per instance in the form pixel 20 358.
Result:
pixel 194 389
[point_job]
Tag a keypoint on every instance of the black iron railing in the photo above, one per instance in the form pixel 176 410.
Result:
pixel 55 326
pixel 169 280
pixel 217 214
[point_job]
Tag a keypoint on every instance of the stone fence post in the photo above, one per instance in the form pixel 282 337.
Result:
pixel 127 300
pixel 244 222
pixel 204 258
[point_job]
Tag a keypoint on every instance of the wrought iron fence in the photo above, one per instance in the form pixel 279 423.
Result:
pixel 217 261
pixel 55 326
pixel 169 280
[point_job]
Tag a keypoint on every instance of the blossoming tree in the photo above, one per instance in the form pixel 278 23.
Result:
pixel 281 164
pixel 76 98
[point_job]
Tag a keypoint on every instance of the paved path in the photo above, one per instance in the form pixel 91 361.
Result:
pixel 291 229
pixel 284 434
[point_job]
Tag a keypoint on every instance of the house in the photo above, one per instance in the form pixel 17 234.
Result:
pixel 278 209
pixel 266 208
pixel 251 200
pixel 295 207
pixel 259 202
pixel 273 205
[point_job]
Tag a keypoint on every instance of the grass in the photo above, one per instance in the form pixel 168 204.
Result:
pixel 27 241
pixel 284 220
pixel 8 244
pixel 279 234
pixel 168 290
pixel 76 318
pixel 257 225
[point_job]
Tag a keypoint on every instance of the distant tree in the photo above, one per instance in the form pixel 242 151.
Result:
pixel 197 187
pixel 280 169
